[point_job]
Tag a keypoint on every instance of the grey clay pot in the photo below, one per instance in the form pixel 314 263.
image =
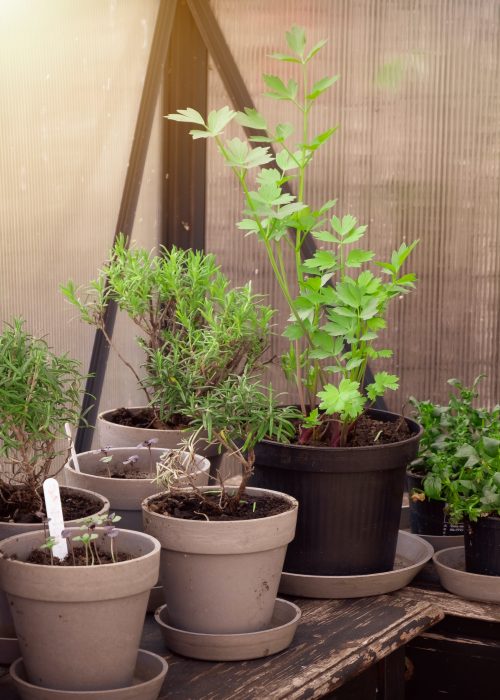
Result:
pixel 79 628
pixel 222 577
pixel 125 495
pixel 11 529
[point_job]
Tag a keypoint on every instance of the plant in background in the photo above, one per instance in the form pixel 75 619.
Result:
pixel 457 437
pixel 40 391
pixel 237 415
pixel 337 310
pixel 194 329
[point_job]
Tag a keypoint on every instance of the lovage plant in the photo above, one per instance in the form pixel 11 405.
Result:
pixel 336 309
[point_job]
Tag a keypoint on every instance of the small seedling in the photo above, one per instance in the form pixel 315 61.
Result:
pixel 49 545
pixel 149 443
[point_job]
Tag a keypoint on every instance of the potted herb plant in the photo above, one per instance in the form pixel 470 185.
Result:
pixel 79 618
pixel 346 465
pixel 473 498
pixel 194 329
pixel 449 432
pixel 222 543
pixel 39 393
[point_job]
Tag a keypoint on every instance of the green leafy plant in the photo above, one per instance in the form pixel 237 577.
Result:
pixel 336 309
pixel 194 329
pixel 457 437
pixel 40 391
pixel 237 415
pixel 89 536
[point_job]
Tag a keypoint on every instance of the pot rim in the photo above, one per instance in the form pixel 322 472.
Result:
pixel 294 504
pixel 202 463
pixel 362 448
pixel 100 567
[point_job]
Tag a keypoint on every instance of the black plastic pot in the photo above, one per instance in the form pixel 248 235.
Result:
pixel 349 501
pixel 482 546
pixel 429 517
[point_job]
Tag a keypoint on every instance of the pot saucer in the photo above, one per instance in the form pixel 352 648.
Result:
pixel 149 673
pixel 412 553
pixel 233 647
pixel 450 565
pixel 440 542
pixel 9 650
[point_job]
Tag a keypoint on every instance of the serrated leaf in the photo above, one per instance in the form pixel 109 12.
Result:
pixel 198 134
pixel 285 161
pixel 283 131
pixel 248 225
pixel 356 257
pixel 296 39
pixel 325 236
pixel 187 115
pixel 355 234
pixel 251 119
pixel 293 331
pixel 285 57
pixel 218 119
pixel 320 86
pixel 317 47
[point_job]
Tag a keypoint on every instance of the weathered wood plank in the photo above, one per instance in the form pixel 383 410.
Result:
pixel 335 642
pixel 453 605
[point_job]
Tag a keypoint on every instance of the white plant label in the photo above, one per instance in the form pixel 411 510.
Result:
pixel 54 512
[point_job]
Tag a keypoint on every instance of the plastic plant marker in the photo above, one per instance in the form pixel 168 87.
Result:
pixel 54 512
pixel 67 429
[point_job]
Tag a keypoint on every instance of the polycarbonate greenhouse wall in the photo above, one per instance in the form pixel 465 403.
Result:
pixel 417 155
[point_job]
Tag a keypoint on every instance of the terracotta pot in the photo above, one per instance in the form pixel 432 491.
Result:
pixel 79 628
pixel 11 529
pixel 350 501
pixel 125 495
pixel 222 577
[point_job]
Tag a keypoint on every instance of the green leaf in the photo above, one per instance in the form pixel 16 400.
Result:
pixel 355 234
pixel 382 382
pixel 283 131
pixel 320 86
pixel 187 115
pixel 218 119
pixel 198 134
pixel 248 225
pixel 293 331
pixel 321 139
pixel 317 47
pixel 325 236
pixel 296 39
pixel 357 257
pixel 285 161
pixel 251 119
pixel 285 57
pixel 345 400
pixel 279 90
pixel 491 446
pixel 322 260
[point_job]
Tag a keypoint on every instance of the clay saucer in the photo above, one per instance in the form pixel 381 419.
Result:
pixel 450 565
pixel 412 553
pixel 233 647
pixel 149 673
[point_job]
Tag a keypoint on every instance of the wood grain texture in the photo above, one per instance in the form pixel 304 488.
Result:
pixel 453 605
pixel 336 641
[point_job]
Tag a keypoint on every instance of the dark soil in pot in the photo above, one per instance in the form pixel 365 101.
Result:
pixel 428 517
pixel 143 418
pixel 17 505
pixel 189 506
pixel 76 558
pixel 482 546
pixel 350 497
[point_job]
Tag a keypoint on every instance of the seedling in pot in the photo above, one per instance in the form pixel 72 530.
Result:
pixel 49 545
pixel 149 443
